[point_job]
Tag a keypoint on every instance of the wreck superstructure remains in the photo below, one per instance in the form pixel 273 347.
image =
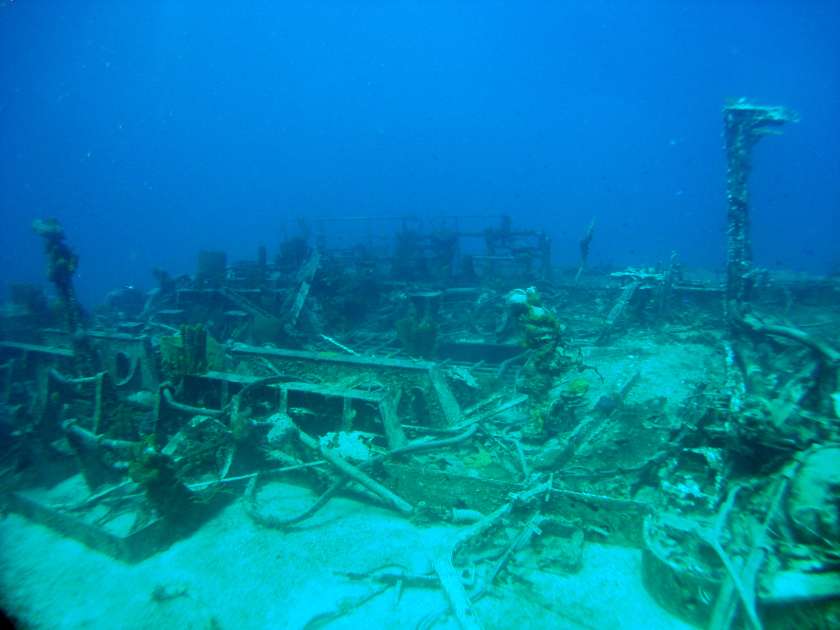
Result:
pixel 454 377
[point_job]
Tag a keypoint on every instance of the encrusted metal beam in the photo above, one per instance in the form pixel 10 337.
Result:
pixel 745 124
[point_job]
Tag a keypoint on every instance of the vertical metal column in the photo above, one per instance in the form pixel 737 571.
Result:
pixel 744 124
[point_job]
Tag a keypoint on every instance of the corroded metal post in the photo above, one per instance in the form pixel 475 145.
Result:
pixel 744 125
pixel 63 263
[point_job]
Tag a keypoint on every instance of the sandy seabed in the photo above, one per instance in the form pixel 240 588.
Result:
pixel 235 574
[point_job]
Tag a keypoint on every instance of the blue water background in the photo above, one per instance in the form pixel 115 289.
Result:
pixel 153 129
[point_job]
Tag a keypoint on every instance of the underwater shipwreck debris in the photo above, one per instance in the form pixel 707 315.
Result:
pixel 734 492
pixel 532 422
pixel 745 123
pixel 585 243
pixel 294 303
pixel 62 264
pixel 656 288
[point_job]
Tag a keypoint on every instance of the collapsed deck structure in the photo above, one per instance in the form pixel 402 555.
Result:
pixel 680 414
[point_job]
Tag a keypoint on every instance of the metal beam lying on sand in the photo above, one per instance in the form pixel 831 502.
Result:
pixel 133 545
pixel 396 375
